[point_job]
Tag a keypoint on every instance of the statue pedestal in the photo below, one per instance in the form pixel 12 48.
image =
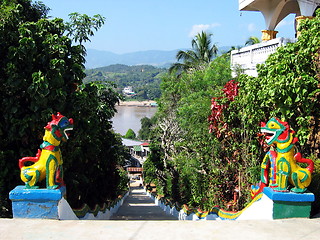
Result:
pixel 36 203
pixel 290 205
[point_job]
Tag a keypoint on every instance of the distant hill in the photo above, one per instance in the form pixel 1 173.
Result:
pixel 144 79
pixel 96 58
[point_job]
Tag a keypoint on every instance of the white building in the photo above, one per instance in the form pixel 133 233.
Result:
pixel 138 150
pixel 274 11
pixel 128 91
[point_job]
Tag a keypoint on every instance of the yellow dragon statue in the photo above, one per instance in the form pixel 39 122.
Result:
pixel 280 168
pixel 48 161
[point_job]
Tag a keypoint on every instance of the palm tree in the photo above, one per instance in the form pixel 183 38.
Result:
pixel 252 40
pixel 202 53
pixel 233 48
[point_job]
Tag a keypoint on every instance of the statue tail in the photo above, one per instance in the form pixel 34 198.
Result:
pixel 230 215
pixel 298 157
pixel 29 159
pixel 256 189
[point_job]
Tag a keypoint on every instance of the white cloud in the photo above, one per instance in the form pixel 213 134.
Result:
pixel 251 27
pixel 198 28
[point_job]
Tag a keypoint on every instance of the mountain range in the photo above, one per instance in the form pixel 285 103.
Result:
pixel 97 58
pixel 157 58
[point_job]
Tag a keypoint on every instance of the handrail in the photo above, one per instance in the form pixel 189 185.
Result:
pixel 248 57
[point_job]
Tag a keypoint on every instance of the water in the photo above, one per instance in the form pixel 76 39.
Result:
pixel 129 117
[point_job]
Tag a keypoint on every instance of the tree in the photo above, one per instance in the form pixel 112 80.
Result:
pixel 233 48
pixel 41 73
pixel 81 26
pixel 182 163
pixel 202 53
pixel 252 40
pixel 130 134
pixel 145 131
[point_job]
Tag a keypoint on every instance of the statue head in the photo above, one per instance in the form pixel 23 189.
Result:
pixel 59 127
pixel 276 131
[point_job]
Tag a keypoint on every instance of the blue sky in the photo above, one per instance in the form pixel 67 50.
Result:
pixel 139 25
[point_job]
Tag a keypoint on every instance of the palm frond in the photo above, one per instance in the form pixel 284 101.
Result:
pixel 201 53
pixel 252 40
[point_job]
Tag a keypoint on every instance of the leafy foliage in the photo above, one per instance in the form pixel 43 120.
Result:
pixel 202 170
pixel 81 26
pixel 181 164
pixel 288 86
pixel 145 131
pixel 41 73
pixel 252 40
pixel 230 91
pixel 94 174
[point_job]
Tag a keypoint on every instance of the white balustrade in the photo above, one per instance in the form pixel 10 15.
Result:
pixel 248 57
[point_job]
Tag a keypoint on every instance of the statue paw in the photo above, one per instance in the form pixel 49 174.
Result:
pixel 53 187
pixel 298 190
pixel 31 187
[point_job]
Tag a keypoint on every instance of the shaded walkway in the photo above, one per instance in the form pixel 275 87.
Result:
pixel 138 206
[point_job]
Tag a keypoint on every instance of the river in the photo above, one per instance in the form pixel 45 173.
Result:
pixel 129 117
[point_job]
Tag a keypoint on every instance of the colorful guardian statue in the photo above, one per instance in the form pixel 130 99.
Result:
pixel 48 161
pixel 279 168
